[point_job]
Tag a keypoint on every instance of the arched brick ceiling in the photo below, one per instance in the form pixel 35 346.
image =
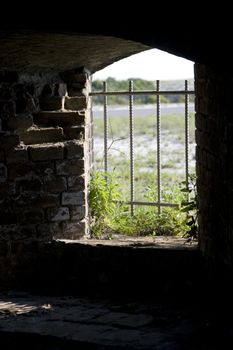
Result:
pixel 55 50
pixel 33 51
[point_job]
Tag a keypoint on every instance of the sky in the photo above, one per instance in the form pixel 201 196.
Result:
pixel 150 65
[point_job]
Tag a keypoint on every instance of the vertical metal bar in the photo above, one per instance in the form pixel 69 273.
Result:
pixel 186 135
pixel 131 139
pixel 105 128
pixel 91 132
pixel 158 147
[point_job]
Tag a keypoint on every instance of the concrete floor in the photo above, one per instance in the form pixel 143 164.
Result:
pixel 56 323
pixel 178 317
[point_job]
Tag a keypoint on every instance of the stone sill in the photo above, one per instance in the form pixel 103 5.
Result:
pixel 159 242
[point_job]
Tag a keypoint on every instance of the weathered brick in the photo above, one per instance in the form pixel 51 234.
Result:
pixel 73 198
pixel 3 172
pixel 20 122
pixel 6 192
pixel 76 183
pixel 74 149
pixel 74 132
pixel 78 212
pixel 60 118
pixel 78 89
pixel 53 184
pixel 70 167
pixel 46 152
pixel 52 103
pixel 18 154
pixel 19 170
pixel 8 230
pixel 73 230
pixel 2 155
pixel 27 232
pixel 74 76
pixel 75 103
pixel 41 135
pixel 46 231
pixel 8 217
pixel 30 184
pixel 45 184
pixel 8 141
pixel 31 216
pixel 39 200
pixel 7 109
pixel 58 214
pixel 7 76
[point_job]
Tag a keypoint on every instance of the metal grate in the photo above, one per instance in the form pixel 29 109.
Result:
pixel 131 93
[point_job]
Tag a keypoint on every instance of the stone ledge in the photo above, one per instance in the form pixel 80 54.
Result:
pixel 159 242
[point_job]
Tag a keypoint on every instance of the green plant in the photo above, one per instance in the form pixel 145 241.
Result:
pixel 109 215
pixel 102 196
pixel 189 206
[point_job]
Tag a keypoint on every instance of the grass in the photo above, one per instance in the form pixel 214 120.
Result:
pixel 110 215
pixel 146 219
pixel 118 126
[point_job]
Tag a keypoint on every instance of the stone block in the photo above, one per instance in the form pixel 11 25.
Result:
pixel 78 213
pixel 60 118
pixel 58 214
pixel 8 231
pixel 74 132
pixel 52 103
pixel 76 183
pixel 7 109
pixel 8 76
pixel 73 230
pixel 70 167
pixel 28 185
pixel 20 122
pixel 8 141
pixel 34 136
pixel 53 183
pixel 74 76
pixel 18 154
pixel 27 232
pixel 32 216
pixel 76 103
pixel 48 184
pixel 74 149
pixel 2 156
pixel 8 217
pixel 39 200
pixel 78 89
pixel 46 152
pixel 46 231
pixel 3 173
pixel 26 171
pixel 5 192
pixel 73 198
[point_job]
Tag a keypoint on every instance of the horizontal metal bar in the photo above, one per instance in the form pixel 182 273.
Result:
pixel 152 204
pixel 149 92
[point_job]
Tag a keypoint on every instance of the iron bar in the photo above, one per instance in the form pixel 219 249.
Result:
pixel 186 135
pixel 158 93
pixel 131 140
pixel 158 147
pixel 105 127
pixel 134 93
pixel 152 204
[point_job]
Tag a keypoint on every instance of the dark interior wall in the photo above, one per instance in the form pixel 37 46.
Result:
pixel 214 137
pixel 45 52
pixel 44 155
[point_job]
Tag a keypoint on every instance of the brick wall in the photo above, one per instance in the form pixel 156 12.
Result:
pixel 214 137
pixel 44 155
